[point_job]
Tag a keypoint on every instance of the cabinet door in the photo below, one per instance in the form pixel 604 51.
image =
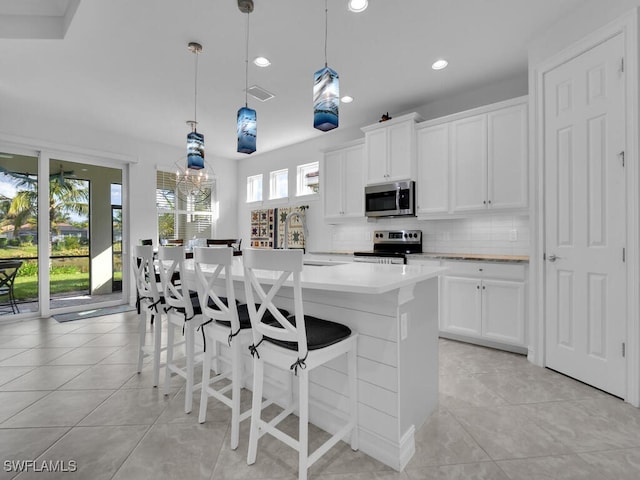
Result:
pixel 461 307
pixel 433 169
pixel 332 186
pixel 469 163
pixel 507 158
pixel 401 138
pixel 353 192
pixel 377 154
pixel 503 311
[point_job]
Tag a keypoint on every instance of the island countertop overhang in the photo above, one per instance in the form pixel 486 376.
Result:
pixel 366 278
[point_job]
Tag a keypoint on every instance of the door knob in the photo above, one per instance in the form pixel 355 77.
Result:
pixel 553 258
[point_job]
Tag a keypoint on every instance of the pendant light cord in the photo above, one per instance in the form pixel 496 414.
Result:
pixel 246 66
pixel 326 22
pixel 195 94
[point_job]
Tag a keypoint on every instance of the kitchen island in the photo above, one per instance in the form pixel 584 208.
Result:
pixel 394 309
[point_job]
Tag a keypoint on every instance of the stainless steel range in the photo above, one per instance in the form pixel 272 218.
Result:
pixel 391 246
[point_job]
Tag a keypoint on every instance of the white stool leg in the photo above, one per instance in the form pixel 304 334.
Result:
pixel 353 396
pixel 142 333
pixel 189 352
pixel 206 376
pixel 157 348
pixel 303 427
pixel 256 409
pixel 170 341
pixel 216 362
pixel 236 378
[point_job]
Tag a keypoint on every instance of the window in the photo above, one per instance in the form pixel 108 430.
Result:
pixel 279 184
pixel 178 218
pixel 254 188
pixel 308 179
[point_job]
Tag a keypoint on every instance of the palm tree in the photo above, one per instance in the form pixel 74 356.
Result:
pixel 66 196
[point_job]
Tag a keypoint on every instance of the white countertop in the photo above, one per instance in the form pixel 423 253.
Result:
pixel 369 278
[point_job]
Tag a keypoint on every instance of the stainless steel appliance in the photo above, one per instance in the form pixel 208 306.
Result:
pixel 391 246
pixel 395 199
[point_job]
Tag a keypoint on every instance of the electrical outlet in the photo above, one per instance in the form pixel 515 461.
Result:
pixel 403 326
pixel 513 235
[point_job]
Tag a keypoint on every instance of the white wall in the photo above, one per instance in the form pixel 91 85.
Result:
pixel 580 23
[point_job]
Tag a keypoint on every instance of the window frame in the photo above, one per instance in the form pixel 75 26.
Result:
pixel 301 173
pixel 254 180
pixel 178 213
pixel 273 178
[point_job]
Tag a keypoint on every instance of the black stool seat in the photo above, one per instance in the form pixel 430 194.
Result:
pixel 195 303
pixel 320 333
pixel 245 321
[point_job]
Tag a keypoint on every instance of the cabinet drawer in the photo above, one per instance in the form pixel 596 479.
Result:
pixel 486 270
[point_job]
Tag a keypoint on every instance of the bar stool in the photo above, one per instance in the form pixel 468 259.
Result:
pixel 148 303
pixel 184 313
pixel 298 344
pixel 226 323
pixel 222 326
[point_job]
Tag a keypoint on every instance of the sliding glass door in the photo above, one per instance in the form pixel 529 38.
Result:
pixel 85 257
pixel 19 290
pixel 73 256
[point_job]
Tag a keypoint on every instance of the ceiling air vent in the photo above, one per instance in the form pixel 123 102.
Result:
pixel 260 93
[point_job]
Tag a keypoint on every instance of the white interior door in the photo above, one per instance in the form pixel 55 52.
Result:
pixel 585 217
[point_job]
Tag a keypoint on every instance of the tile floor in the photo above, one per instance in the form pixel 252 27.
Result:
pixel 70 392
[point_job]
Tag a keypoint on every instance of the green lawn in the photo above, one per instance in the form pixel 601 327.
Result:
pixel 27 287
pixel 67 275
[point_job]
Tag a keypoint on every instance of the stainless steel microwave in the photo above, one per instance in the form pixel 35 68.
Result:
pixel 390 199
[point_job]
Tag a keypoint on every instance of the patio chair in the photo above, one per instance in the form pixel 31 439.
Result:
pixel 8 272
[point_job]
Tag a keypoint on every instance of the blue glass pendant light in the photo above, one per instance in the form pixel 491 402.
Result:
pixel 247 125
pixel 195 140
pixel 326 91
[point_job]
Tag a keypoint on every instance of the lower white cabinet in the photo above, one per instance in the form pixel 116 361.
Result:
pixel 461 306
pixel 484 302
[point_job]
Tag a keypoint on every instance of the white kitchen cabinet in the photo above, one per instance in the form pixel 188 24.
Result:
pixel 489 160
pixel 343 186
pixel 390 150
pixel 461 306
pixel 473 162
pixel 484 302
pixel 507 158
pixel 469 164
pixel 503 311
pixel 432 185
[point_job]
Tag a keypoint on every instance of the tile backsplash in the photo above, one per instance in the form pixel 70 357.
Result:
pixel 499 234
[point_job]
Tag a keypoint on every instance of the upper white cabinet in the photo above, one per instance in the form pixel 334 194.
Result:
pixel 390 149
pixel 432 187
pixel 343 185
pixel 507 157
pixel 469 163
pixel 489 158
pixel 473 161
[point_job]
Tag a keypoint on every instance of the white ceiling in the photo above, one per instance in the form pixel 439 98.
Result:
pixel 123 66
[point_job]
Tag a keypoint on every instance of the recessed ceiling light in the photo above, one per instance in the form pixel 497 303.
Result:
pixel 346 99
pixel 261 62
pixel 357 6
pixel 439 64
